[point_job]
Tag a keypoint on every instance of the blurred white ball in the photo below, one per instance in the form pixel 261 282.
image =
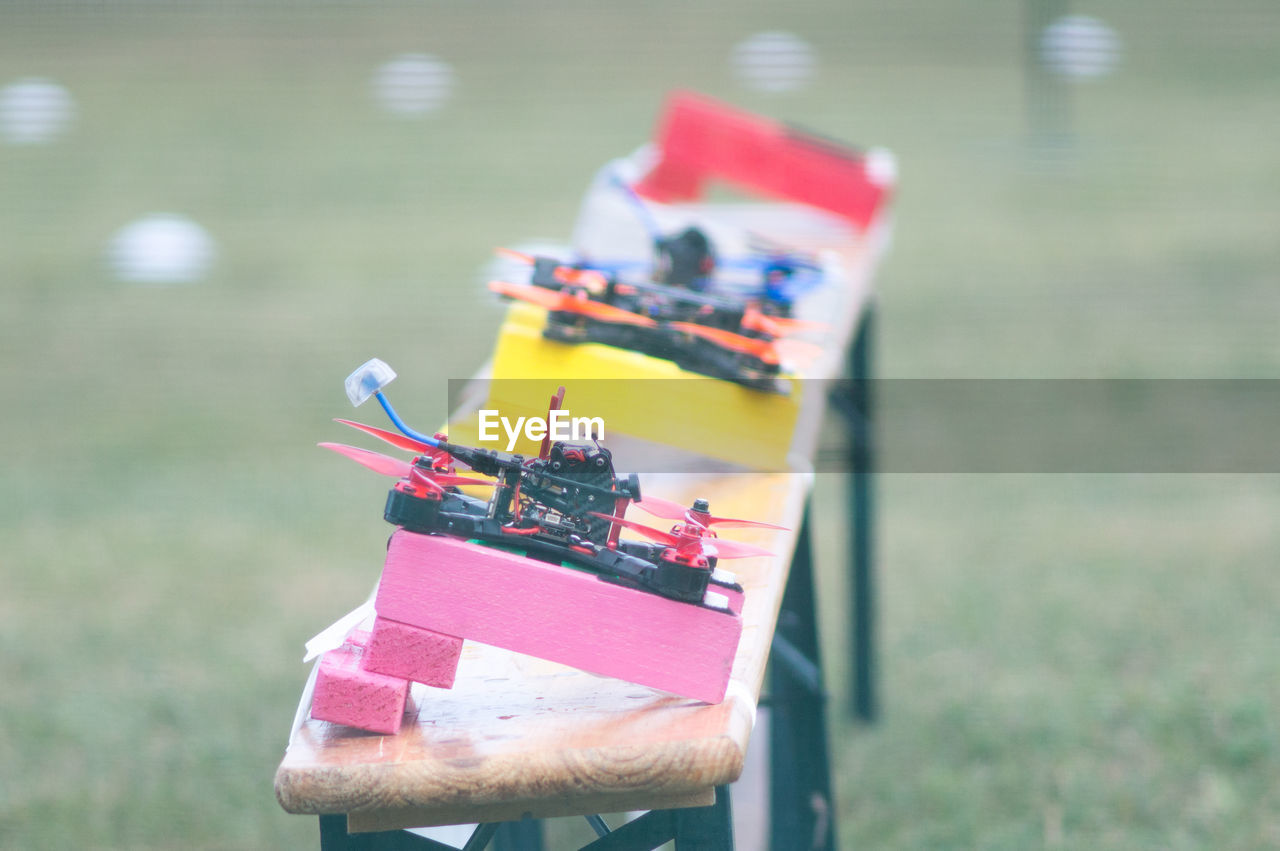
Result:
pixel 34 111
pixel 1080 47
pixel 161 249
pixel 774 62
pixel 413 84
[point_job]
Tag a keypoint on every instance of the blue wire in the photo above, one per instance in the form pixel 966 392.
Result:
pixel 646 218
pixel 399 423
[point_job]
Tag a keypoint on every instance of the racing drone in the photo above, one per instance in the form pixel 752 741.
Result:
pixel 567 505
pixel 713 334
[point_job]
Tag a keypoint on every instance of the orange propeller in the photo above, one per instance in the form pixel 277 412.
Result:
pixel 592 279
pixel 765 350
pixel 799 352
pixel 777 326
pixel 566 302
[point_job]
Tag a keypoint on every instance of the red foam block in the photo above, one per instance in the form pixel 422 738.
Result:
pixel 412 653
pixel 552 612
pixel 700 139
pixel 347 694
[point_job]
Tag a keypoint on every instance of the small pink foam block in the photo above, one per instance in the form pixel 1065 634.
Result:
pixel 412 653
pixel 347 694
pixel 566 616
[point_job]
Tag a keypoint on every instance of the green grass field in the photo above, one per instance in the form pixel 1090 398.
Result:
pixel 1075 661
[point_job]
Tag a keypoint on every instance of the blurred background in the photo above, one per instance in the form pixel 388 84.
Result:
pixel 211 213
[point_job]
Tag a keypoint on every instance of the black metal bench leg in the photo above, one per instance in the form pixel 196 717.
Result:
pixel 862 461
pixel 709 828
pixel 801 807
pixel 523 835
pixel 693 829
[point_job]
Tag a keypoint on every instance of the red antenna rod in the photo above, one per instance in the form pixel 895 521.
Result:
pixel 556 401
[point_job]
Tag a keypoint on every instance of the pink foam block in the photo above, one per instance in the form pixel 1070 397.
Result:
pixel 552 612
pixel 412 653
pixel 347 694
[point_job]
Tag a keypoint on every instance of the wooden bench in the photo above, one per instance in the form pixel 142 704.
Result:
pixel 519 739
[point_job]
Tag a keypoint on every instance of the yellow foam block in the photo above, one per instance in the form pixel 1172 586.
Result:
pixel 635 395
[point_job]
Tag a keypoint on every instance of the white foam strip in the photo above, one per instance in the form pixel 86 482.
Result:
pixel 332 637
pixel 304 705
pixel 715 601
pixel 722 576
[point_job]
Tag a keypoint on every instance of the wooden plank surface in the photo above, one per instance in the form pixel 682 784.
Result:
pixel 518 735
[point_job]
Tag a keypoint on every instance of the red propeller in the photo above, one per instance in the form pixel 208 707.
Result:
pixel 395 439
pixel 388 466
pixel 669 510
pixel 448 480
pixel 437 482
pixel 692 543
pixel 376 461
pixel 592 279
pixel 569 303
